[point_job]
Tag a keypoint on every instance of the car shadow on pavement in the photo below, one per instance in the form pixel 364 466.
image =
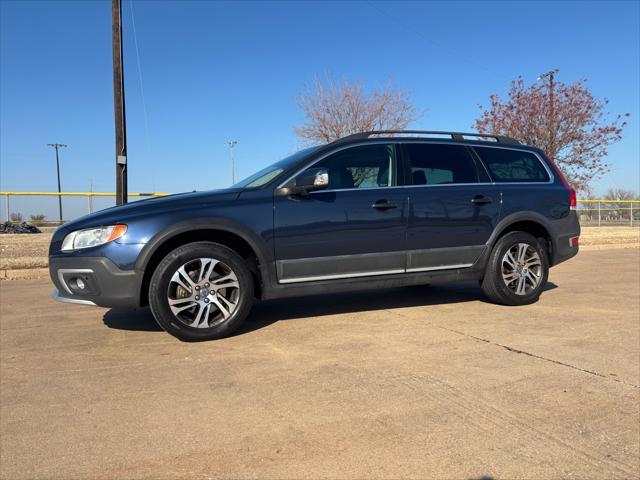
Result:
pixel 139 319
pixel 265 313
pixel 268 312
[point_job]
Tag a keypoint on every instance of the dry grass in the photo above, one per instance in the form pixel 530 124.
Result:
pixel 610 236
pixel 28 253
pixel 24 251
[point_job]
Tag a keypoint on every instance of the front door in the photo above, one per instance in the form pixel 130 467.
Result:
pixel 453 207
pixel 356 227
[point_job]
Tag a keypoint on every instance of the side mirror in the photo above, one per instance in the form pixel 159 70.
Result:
pixel 310 180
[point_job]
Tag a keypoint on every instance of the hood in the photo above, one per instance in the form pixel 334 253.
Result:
pixel 122 213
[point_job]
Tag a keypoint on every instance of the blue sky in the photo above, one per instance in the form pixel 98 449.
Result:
pixel 212 71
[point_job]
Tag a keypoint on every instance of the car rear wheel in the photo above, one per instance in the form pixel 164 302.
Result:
pixel 201 291
pixel 517 270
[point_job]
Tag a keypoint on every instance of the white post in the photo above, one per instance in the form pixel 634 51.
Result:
pixel 598 213
pixel 7 207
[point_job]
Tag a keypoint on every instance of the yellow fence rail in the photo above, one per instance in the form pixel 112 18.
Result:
pixel 592 211
pixel 89 195
pixel 80 194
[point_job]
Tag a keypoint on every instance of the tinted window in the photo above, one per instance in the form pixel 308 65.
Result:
pixel 434 164
pixel 512 165
pixel 370 166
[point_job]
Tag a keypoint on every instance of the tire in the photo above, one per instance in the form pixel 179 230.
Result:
pixel 210 289
pixel 518 279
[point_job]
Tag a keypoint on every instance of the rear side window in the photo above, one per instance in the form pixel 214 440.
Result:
pixel 512 165
pixel 438 164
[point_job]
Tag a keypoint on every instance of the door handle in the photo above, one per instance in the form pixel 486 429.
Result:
pixel 383 205
pixel 481 200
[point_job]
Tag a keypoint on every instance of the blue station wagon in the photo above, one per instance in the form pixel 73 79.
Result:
pixel 371 210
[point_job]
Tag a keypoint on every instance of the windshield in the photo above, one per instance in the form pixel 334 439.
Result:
pixel 267 174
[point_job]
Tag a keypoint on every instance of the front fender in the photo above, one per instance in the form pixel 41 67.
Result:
pixel 214 224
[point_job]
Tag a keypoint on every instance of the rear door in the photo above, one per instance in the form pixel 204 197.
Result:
pixel 525 182
pixel 453 206
pixel 354 228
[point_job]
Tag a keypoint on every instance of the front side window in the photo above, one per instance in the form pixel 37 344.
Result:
pixel 438 164
pixel 512 165
pixel 267 174
pixel 369 166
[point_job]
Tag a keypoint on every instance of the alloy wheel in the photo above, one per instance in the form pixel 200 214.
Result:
pixel 521 268
pixel 203 293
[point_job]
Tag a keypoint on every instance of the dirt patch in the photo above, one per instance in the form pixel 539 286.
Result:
pixel 610 236
pixel 24 251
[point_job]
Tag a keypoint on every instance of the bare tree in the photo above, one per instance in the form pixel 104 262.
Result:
pixel 620 209
pixel 565 120
pixel 620 194
pixel 336 109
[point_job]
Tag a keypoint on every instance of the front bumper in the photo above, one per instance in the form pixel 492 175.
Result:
pixel 105 285
pixel 59 298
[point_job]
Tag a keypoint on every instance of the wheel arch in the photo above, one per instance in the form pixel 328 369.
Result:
pixel 232 236
pixel 529 222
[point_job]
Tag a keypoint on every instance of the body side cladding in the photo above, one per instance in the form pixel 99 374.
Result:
pixel 371 282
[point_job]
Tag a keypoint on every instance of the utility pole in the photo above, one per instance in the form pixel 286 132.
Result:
pixel 231 144
pixel 118 103
pixel 552 114
pixel 58 146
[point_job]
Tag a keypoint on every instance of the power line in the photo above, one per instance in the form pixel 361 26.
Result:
pixel 144 103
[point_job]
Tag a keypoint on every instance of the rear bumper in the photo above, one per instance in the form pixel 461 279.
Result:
pixel 564 230
pixel 105 285
pixel 564 250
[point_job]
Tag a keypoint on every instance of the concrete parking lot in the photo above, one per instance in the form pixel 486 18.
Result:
pixel 404 383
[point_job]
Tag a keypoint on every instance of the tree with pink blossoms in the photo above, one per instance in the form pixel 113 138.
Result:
pixel 565 120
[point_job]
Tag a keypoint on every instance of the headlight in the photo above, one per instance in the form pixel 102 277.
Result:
pixel 92 237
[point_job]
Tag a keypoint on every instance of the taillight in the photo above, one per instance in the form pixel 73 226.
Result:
pixel 573 199
pixel 574 241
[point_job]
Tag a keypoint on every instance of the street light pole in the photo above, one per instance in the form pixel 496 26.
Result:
pixel 231 144
pixel 58 146
pixel 552 114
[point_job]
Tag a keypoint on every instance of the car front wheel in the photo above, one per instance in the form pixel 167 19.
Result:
pixel 201 291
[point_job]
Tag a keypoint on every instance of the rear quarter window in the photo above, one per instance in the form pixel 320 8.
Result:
pixel 438 164
pixel 507 165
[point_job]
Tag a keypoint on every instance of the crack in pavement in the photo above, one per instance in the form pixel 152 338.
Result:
pixel 529 354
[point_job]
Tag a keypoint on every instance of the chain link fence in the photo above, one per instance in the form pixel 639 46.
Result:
pixel 602 212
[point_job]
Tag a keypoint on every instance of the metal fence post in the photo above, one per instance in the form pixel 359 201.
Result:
pixel 631 212
pixel 598 213
pixel 90 202
pixel 7 207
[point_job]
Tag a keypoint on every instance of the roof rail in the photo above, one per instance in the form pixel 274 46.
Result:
pixel 483 137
